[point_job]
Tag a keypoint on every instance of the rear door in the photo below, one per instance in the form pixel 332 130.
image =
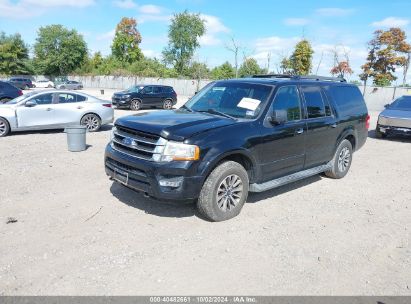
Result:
pixel 39 116
pixel 283 146
pixel 321 127
pixel 148 96
pixel 69 108
pixel 158 95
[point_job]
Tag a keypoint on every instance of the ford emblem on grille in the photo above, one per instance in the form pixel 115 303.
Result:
pixel 129 141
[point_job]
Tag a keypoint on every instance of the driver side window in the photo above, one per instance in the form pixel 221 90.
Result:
pixel 287 99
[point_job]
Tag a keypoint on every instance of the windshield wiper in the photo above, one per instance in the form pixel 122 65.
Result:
pixel 186 108
pixel 212 111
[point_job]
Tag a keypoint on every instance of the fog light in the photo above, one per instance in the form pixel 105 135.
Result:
pixel 171 182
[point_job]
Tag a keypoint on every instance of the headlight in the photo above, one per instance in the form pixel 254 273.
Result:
pixel 113 129
pixel 177 151
pixel 126 96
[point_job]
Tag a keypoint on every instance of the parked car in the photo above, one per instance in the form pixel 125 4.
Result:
pixel 44 83
pixel 54 110
pixel 143 96
pixel 237 136
pixel 8 92
pixel 69 85
pixel 395 119
pixel 22 83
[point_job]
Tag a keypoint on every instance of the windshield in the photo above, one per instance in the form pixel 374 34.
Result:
pixel 236 99
pixel 402 103
pixel 20 98
pixel 134 89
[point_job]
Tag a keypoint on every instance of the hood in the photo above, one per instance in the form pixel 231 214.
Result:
pixel 173 124
pixel 122 93
pixel 396 113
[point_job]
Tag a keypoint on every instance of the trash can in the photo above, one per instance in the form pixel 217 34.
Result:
pixel 76 138
pixel 102 92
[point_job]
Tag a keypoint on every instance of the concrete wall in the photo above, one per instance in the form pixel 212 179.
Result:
pixel 377 97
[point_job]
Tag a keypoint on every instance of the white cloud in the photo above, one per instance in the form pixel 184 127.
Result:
pixel 296 21
pixel 334 11
pixel 127 4
pixel 29 8
pixel 151 53
pixel 391 22
pixel 106 36
pixel 275 44
pixel 153 18
pixel 150 9
pixel 214 26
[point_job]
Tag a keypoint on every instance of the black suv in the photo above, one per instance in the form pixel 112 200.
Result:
pixel 141 96
pixel 21 83
pixel 8 92
pixel 237 136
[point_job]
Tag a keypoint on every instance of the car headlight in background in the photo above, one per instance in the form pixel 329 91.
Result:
pixel 176 151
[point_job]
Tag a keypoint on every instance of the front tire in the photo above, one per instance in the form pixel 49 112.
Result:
pixel 167 104
pixel 4 127
pixel 135 105
pixel 92 122
pixel 342 160
pixel 379 134
pixel 224 192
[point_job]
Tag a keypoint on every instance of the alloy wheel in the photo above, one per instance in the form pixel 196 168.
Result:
pixel 344 159
pixel 229 192
pixel 91 122
pixel 3 128
pixel 168 105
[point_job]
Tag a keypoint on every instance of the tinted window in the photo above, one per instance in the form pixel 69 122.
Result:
pixel 148 90
pixel 157 90
pixel 43 99
pixel 167 89
pixel 402 103
pixel 348 99
pixel 80 98
pixel 314 101
pixel 287 99
pixel 66 98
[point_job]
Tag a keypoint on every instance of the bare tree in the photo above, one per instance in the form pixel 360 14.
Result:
pixel 405 71
pixel 235 48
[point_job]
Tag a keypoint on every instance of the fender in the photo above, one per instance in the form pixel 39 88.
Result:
pixel 349 130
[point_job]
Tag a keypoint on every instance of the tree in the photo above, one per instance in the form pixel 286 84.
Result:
pixel 126 41
pixel 250 67
pixel 386 53
pixel 224 71
pixel 301 59
pixel 184 33
pixel 341 69
pixel 235 48
pixel 14 55
pixel 285 66
pixel 96 60
pixel 59 51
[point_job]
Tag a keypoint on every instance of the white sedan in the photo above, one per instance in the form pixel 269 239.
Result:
pixel 44 84
pixel 41 110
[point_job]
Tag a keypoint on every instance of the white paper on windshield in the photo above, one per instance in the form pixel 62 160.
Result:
pixel 249 103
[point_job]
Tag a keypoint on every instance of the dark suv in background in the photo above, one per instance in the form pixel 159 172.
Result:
pixel 237 136
pixel 8 92
pixel 144 96
pixel 22 83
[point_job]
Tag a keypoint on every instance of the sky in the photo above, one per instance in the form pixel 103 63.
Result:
pixel 263 28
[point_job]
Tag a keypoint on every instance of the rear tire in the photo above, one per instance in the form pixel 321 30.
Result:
pixel 224 192
pixel 342 160
pixel 92 122
pixel 4 127
pixel 4 100
pixel 135 105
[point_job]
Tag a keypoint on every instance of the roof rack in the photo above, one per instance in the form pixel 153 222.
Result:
pixel 298 77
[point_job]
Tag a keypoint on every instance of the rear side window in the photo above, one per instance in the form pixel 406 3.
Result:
pixel 348 100
pixel 167 89
pixel 314 101
pixel 157 90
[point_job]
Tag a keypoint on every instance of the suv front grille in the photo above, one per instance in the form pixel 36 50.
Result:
pixel 136 143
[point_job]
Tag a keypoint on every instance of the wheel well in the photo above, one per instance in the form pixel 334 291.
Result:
pixel 90 113
pixel 242 160
pixel 351 139
pixel 7 122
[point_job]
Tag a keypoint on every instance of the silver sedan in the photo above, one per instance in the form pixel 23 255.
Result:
pixel 55 109
pixel 395 119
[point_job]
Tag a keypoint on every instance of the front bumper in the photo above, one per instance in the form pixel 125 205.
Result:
pixel 391 130
pixel 144 176
pixel 120 102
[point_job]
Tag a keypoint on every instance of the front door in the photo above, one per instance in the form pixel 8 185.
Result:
pixel 283 146
pixel 40 115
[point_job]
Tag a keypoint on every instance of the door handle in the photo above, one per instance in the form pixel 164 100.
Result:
pixel 334 125
pixel 299 131
pixel 48 109
pixel 79 107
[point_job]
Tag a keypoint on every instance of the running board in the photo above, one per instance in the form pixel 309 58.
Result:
pixel 289 178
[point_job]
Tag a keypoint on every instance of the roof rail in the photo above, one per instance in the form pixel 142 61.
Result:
pixel 298 77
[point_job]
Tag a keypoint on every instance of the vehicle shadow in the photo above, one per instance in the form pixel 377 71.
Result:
pixel 254 197
pixel 105 128
pixel 397 138
pixel 152 206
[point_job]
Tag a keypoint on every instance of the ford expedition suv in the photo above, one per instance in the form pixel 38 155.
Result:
pixel 239 136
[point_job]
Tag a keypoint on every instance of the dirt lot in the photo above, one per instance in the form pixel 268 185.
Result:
pixel 78 233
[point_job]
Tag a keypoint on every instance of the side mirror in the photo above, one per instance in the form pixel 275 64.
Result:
pixel 387 106
pixel 278 117
pixel 30 104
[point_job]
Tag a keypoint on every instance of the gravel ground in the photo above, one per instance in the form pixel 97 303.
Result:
pixel 77 233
